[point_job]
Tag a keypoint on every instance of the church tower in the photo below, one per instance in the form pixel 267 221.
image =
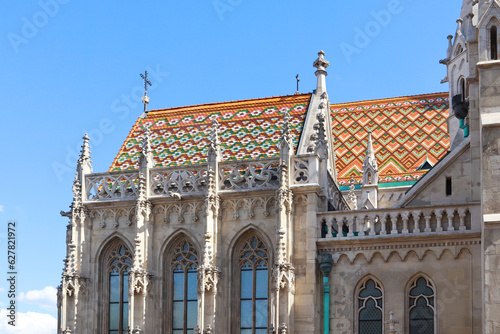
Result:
pixel 474 77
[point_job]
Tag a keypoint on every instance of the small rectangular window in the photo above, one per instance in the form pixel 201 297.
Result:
pixel 448 186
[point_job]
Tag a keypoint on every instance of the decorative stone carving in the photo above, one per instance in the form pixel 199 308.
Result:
pixel 248 205
pixel 208 278
pixel 74 285
pixel 284 277
pixel 139 280
pixel 248 174
pixel 181 211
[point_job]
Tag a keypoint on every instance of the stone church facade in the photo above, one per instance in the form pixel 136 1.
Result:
pixel 292 214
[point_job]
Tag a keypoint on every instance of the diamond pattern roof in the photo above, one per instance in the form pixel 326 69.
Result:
pixel 248 129
pixel 405 130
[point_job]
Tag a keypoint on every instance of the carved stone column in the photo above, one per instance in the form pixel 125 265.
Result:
pixel 208 273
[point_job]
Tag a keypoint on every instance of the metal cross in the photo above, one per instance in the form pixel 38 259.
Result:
pixel 298 80
pixel 146 81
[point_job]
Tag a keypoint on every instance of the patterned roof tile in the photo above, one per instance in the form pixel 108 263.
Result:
pixel 406 131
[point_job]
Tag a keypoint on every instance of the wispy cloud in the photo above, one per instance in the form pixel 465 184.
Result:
pixel 27 322
pixel 45 298
pixel 1 208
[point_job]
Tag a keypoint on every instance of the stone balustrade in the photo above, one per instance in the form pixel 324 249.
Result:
pixel 188 180
pixel 249 174
pixel 192 180
pixel 400 221
pixel 111 185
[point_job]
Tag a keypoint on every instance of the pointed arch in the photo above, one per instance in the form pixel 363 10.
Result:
pixel 251 263
pixel 369 309
pixel 492 38
pixel 180 259
pixel 115 261
pixel 421 304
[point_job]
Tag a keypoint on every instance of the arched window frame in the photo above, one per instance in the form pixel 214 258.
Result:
pixel 238 262
pixel 459 49
pixel 108 263
pixel 492 42
pixel 173 251
pixel 360 302
pixel 411 301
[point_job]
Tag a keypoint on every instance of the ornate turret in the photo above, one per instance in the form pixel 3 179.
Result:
pixel 369 188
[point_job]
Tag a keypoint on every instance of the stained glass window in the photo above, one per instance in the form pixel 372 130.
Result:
pixel 119 263
pixel 184 286
pixel 370 301
pixel 254 278
pixel 422 307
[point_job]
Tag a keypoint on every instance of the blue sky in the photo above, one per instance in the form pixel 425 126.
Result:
pixel 71 67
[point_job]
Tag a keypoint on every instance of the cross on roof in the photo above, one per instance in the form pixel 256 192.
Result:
pixel 146 81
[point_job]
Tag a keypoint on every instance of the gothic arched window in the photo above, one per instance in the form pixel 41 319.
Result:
pixel 254 281
pixel 184 267
pixel 370 303
pixel 422 307
pixel 118 265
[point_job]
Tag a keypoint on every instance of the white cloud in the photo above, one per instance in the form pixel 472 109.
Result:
pixel 45 298
pixel 27 322
pixel 1 208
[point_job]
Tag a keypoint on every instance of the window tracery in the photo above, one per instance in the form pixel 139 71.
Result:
pixel 184 266
pixel 118 266
pixel 370 308
pixel 422 307
pixel 254 285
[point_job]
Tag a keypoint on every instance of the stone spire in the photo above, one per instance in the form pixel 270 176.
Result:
pixel 321 64
pixel 370 154
pixel 369 188
pixel 84 162
pixel 146 158
pixel 213 153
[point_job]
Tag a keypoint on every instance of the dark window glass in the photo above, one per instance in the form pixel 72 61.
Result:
pixel 421 307
pixel 448 186
pixel 370 308
pixel 120 261
pixel 184 290
pixel 493 41
pixel 254 282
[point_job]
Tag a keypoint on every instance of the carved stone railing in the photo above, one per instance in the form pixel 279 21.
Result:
pixel 111 185
pixel 400 221
pixel 249 174
pixel 188 180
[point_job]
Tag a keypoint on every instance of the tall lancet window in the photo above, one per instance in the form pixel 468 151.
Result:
pixel 370 303
pixel 254 280
pixel 119 263
pixel 493 43
pixel 422 307
pixel 184 297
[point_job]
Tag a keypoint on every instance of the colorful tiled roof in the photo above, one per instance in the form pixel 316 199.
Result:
pixel 249 129
pixel 405 130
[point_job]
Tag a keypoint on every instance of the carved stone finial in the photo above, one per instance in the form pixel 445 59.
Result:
pixel 84 161
pixel 370 153
pixel 321 64
pixel 391 322
pixel 353 199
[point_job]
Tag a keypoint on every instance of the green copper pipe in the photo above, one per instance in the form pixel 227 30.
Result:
pixel 326 316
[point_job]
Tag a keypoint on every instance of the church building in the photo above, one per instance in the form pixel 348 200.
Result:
pixel 294 214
